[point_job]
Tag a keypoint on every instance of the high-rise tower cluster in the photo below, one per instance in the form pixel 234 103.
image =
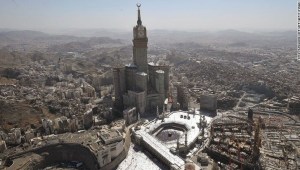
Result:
pixel 141 84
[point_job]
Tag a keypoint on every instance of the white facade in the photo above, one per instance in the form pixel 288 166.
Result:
pixel 104 156
pixel 116 148
pixel 109 152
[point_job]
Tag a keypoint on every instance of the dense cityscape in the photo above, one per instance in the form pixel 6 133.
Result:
pixel 167 100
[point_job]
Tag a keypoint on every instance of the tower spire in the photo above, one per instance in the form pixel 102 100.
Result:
pixel 139 21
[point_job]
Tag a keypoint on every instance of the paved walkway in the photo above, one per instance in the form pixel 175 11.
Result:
pixel 160 149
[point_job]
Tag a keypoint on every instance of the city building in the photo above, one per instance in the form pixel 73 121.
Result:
pixel 113 146
pixel 141 84
pixel 2 146
pixel 208 102
pixel 130 115
pixel 182 96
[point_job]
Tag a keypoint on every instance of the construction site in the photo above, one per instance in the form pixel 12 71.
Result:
pixel 253 141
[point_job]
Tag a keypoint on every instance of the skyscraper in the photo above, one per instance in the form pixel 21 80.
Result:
pixel 140 84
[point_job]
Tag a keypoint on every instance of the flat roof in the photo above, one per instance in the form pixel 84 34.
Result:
pixel 161 149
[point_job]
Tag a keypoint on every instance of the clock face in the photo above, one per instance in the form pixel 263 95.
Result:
pixel 141 33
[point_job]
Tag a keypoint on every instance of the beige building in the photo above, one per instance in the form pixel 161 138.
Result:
pixel 113 146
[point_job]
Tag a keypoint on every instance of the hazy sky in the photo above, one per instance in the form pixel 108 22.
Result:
pixel 189 15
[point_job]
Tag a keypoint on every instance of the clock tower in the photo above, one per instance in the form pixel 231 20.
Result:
pixel 140 42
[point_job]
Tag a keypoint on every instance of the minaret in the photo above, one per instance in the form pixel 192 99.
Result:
pixel 200 122
pixel 157 112
pixel 140 42
pixel 185 141
pixel 163 116
pixel 257 141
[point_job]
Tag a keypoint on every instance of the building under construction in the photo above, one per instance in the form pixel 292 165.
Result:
pixel 259 140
